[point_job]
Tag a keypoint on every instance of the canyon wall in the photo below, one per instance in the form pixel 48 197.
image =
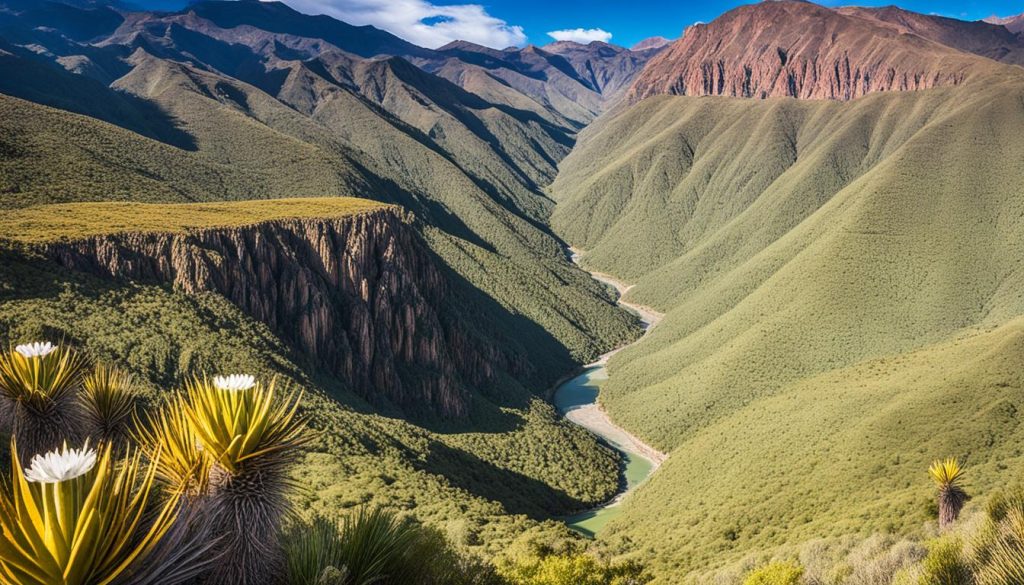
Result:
pixel 360 295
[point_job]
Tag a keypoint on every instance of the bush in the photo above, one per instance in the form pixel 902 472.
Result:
pixel 572 569
pixel 376 546
pixel 776 573
pixel 997 547
pixel 946 563
pixel 879 559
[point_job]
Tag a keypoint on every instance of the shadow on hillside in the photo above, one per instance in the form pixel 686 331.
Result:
pixel 518 493
pixel 529 359
pixel 33 78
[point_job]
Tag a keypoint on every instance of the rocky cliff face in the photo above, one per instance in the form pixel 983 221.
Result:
pixel 797 49
pixel 359 295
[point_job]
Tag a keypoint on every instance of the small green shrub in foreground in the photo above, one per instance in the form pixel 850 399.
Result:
pixel 776 573
pixel 946 563
pixel 376 546
pixel 572 569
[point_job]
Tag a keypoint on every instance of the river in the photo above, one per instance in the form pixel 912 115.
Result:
pixel 576 400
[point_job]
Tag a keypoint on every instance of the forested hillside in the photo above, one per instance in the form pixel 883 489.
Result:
pixel 841 286
pixel 428 396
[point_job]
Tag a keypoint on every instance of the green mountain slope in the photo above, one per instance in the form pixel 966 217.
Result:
pixel 796 245
pixel 470 171
pixel 484 486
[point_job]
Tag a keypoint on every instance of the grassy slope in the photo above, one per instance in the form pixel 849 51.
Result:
pixel 510 457
pixel 482 486
pixel 836 454
pixel 43 223
pixel 789 242
pixel 248 145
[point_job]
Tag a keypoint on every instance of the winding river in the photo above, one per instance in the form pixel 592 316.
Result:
pixel 576 400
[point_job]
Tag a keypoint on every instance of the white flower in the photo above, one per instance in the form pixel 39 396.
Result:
pixel 234 382
pixel 61 465
pixel 37 349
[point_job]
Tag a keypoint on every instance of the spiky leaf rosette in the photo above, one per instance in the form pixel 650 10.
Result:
pixel 108 404
pixel 313 552
pixel 1003 561
pixel 168 439
pixel 251 436
pixel 77 517
pixel 244 427
pixel 947 475
pixel 39 382
pixel 371 545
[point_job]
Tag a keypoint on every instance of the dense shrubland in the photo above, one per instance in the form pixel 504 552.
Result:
pixel 198 490
pixel 506 469
pixel 836 278
pixel 983 547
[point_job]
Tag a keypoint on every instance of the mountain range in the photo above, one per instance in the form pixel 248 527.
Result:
pixel 824 203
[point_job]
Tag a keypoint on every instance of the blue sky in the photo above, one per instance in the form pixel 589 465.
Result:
pixel 629 22
pixel 500 23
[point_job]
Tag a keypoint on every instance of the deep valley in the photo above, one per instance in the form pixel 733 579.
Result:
pixel 819 207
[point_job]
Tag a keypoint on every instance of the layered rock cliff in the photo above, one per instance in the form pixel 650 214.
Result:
pixel 360 295
pixel 798 49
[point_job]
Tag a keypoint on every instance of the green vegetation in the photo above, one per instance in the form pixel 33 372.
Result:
pixel 39 382
pixel 840 282
pixel 947 475
pixel 47 223
pixel 572 569
pixel 945 564
pixel 77 517
pixel 776 573
pixel 210 479
pixel 250 435
pixel 985 548
pixel 482 481
pixel 997 546
pixel 108 404
pixel 376 546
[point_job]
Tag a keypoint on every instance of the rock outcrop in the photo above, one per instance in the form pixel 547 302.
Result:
pixel 797 49
pixel 359 295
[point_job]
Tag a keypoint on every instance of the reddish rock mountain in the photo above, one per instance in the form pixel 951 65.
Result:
pixel 799 49
pixel 1014 24
pixel 651 43
pixel 981 38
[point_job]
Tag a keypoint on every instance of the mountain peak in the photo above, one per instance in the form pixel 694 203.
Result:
pixel 1014 24
pixel 791 48
pixel 651 43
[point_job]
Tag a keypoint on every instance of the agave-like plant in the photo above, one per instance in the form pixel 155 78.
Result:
pixel 379 547
pixel 108 404
pixel 313 553
pixel 169 441
pixel 1003 559
pixel 77 517
pixel 947 475
pixel 40 381
pixel 371 546
pixel 250 435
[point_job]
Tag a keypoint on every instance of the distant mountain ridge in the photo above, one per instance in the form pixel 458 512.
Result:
pixel 651 43
pixel 1014 24
pixel 797 49
pixel 255 100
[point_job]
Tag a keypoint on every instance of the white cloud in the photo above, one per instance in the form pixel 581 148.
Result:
pixel 581 35
pixel 420 22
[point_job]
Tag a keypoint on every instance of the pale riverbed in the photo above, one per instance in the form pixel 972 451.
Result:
pixel 577 400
